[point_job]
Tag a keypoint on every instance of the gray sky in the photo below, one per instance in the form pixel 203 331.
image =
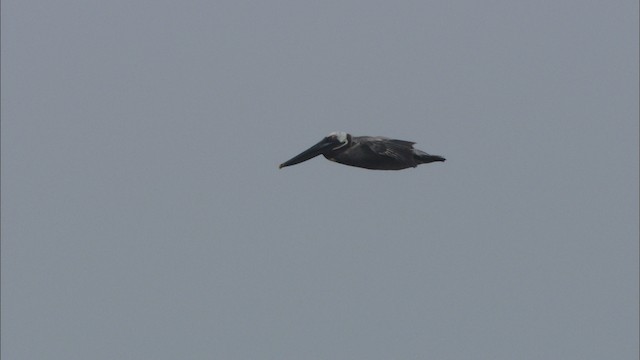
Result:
pixel 144 215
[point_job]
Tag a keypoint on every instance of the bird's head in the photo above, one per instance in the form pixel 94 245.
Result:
pixel 332 142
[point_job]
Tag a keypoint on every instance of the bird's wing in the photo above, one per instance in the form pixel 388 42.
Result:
pixel 387 147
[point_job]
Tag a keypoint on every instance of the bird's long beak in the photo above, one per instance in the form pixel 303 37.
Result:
pixel 310 153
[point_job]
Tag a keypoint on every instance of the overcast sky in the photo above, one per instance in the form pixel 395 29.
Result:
pixel 144 215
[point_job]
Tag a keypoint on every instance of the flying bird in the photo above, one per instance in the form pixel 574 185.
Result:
pixel 369 152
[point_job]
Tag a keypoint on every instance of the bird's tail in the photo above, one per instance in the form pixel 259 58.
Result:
pixel 425 158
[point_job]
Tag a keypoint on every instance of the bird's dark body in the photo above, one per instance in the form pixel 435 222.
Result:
pixel 369 152
pixel 376 153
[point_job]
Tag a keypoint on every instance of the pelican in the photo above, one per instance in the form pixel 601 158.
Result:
pixel 369 152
